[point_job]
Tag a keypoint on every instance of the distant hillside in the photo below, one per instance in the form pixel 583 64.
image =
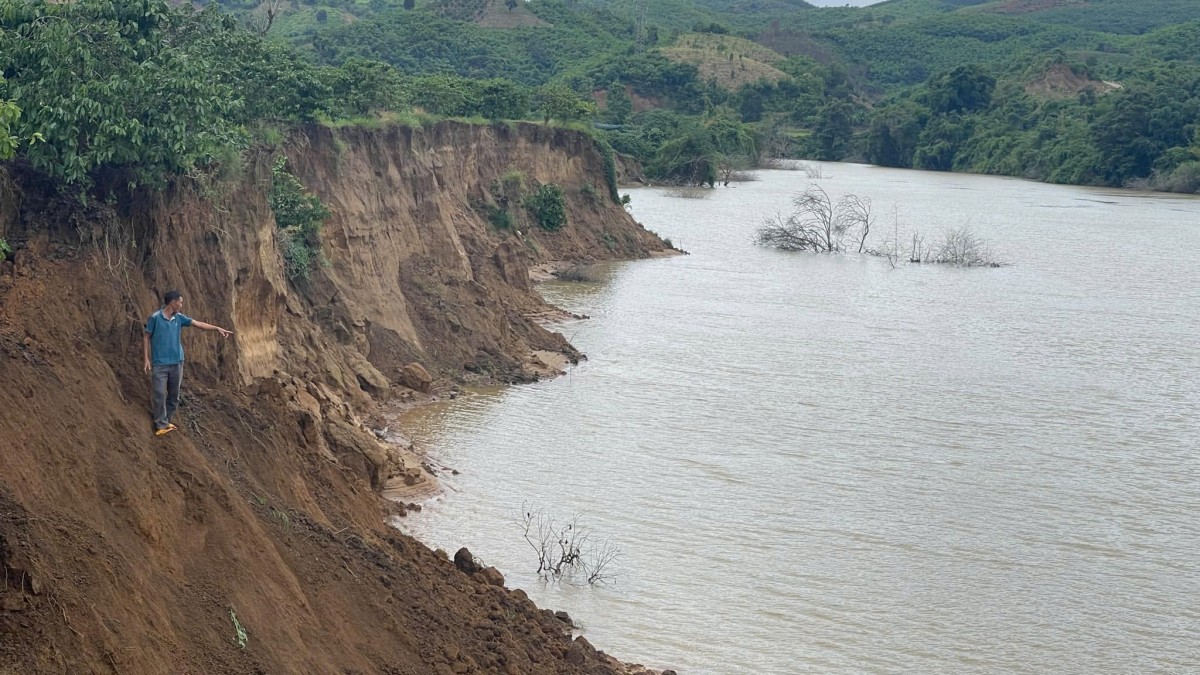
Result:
pixel 1062 81
pixel 1173 43
pixel 459 10
pixel 684 15
pixel 487 13
pixel 1109 16
pixel 498 15
pixel 729 61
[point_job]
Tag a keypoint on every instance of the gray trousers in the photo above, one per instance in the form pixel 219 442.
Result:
pixel 165 382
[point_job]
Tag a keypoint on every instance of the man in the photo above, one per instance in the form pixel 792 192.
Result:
pixel 163 353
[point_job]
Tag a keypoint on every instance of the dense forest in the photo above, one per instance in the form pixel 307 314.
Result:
pixel 1098 92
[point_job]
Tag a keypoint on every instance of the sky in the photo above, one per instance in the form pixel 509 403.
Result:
pixel 843 3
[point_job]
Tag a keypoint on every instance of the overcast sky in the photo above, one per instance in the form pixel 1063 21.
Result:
pixel 843 3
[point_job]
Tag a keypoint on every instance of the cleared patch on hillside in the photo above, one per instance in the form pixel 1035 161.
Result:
pixel 292 23
pixel 1028 6
pixel 461 10
pixel 730 61
pixel 497 15
pixel 1060 81
pixel 488 13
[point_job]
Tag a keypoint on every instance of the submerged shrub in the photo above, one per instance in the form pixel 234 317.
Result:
pixel 583 273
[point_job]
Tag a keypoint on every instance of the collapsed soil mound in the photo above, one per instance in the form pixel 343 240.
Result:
pixel 253 539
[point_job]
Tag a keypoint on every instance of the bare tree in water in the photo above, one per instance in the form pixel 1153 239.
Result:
pixel 818 224
pixel 565 549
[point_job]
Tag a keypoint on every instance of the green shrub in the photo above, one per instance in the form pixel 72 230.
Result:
pixel 548 207
pixel 500 218
pixel 297 255
pixel 5 249
pixel 1185 178
pixel 588 191
pixel 509 189
pixel 610 170
pixel 299 216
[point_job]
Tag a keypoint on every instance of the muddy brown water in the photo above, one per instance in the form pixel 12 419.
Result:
pixel 823 464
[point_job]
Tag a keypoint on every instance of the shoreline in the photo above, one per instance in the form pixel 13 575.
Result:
pixel 405 498
pixel 409 491
pixel 418 481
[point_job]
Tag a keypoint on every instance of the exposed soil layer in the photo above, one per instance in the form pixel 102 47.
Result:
pixel 126 553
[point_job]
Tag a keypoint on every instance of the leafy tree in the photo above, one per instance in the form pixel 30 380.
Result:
pixel 502 99
pixel 687 157
pixel 361 87
pixel 9 115
pixel 618 106
pixel 272 81
pixel 834 129
pixel 750 104
pixel 105 85
pixel 963 89
pixel 561 103
pixel 442 94
pixel 701 153
pixel 939 142
pixel 1125 139
pixel 893 135
pixel 733 145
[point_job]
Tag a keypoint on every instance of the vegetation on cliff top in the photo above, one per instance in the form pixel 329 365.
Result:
pixel 1099 93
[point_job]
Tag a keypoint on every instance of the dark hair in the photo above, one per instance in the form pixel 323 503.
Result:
pixel 171 296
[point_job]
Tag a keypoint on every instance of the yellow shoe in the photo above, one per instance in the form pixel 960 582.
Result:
pixel 164 432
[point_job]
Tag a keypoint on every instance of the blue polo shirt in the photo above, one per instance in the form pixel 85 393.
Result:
pixel 165 346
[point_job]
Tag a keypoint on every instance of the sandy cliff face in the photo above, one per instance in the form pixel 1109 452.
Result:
pixel 416 271
pixel 126 553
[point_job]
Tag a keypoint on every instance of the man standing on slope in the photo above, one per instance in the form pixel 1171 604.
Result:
pixel 161 339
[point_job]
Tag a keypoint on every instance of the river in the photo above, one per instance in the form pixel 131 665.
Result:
pixel 821 464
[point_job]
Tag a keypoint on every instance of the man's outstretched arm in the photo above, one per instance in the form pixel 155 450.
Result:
pixel 208 326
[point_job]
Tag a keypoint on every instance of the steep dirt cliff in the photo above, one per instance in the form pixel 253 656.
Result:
pixel 126 553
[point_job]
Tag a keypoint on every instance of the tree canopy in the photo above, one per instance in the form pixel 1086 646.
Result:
pixel 1102 93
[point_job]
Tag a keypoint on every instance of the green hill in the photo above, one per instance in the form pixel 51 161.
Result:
pixel 1082 91
pixel 729 61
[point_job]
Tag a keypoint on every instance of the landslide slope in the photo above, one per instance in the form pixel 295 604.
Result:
pixel 126 553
